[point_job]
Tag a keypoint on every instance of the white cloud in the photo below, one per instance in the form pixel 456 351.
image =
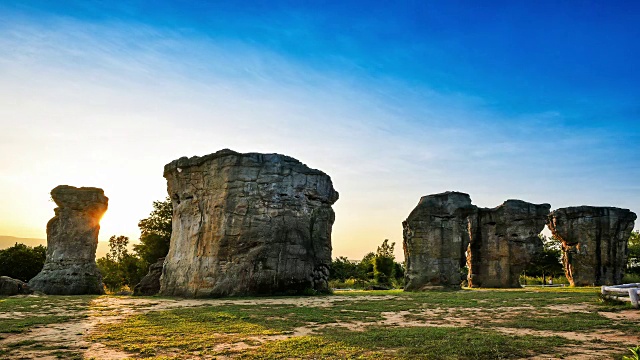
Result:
pixel 108 105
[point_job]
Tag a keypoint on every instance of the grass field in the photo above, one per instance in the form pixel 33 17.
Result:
pixel 466 324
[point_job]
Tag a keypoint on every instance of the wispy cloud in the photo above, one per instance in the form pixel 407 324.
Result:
pixel 108 105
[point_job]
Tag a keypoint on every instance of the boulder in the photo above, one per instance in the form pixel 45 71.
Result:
pixel 150 283
pixel 10 286
pixel 72 237
pixel 435 240
pixel 503 241
pixel 247 224
pixel 594 242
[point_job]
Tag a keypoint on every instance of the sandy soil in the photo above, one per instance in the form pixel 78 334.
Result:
pixel 72 335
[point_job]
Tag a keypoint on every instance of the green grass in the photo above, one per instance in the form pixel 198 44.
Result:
pixel 41 310
pixel 265 330
pixel 405 343
pixel 577 321
pixel 24 324
pixel 199 330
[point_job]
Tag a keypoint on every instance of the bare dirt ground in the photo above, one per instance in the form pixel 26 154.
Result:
pixel 72 336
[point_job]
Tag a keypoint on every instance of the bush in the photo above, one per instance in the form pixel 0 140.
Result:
pixel 22 262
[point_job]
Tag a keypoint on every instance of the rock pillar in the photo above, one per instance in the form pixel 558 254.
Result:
pixel 247 224
pixel 594 242
pixel 435 240
pixel 72 237
pixel 503 241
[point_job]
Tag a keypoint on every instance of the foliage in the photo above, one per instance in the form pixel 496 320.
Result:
pixel 383 264
pixel 636 354
pixel 155 232
pixel 398 270
pixel 22 262
pixel 548 262
pixel 374 268
pixel 365 266
pixel 633 264
pixel 118 267
pixel 343 268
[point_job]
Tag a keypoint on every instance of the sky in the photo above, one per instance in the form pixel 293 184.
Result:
pixel 538 101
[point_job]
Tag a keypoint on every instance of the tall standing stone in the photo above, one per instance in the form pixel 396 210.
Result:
pixel 504 240
pixel 246 224
pixel 72 238
pixel 594 242
pixel 435 240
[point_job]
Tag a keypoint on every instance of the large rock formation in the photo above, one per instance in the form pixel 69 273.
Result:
pixel 72 237
pixel 503 241
pixel 10 286
pixel 594 242
pixel 435 240
pixel 247 224
pixel 150 283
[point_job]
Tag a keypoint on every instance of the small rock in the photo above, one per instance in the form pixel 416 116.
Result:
pixel 10 286
pixel 150 283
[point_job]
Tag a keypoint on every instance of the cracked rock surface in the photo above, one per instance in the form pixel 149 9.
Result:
pixel 435 240
pixel 504 240
pixel 72 238
pixel 594 242
pixel 247 224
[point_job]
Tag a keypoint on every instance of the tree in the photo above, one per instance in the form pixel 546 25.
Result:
pixel 22 262
pixel 365 267
pixel 633 263
pixel 384 264
pixel 342 269
pixel 118 267
pixel 548 262
pixel 398 270
pixel 155 232
pixel 118 248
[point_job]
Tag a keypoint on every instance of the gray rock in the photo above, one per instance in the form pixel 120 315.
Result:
pixel 72 237
pixel 503 241
pixel 10 286
pixel 150 283
pixel 594 242
pixel 435 240
pixel 246 224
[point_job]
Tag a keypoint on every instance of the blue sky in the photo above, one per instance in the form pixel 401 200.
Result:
pixel 394 100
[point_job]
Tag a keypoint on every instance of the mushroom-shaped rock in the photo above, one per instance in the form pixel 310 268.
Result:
pixel 435 240
pixel 246 224
pixel 503 242
pixel 594 242
pixel 72 238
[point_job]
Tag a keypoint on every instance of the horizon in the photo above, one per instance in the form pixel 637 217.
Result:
pixel 537 102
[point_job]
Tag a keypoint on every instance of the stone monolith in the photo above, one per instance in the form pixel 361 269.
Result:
pixel 503 241
pixel 594 242
pixel 72 237
pixel 247 224
pixel 435 241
